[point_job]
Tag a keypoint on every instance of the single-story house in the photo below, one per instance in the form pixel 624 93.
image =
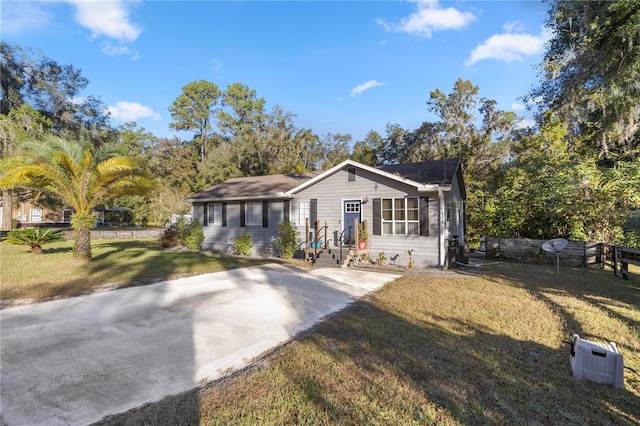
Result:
pixel 412 206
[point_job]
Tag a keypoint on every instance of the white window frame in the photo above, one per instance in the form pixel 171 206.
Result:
pixel 299 212
pixel 214 214
pixel 352 207
pixel 253 214
pixel 397 220
pixel 38 215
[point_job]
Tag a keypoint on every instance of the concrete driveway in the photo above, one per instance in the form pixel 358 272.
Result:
pixel 74 361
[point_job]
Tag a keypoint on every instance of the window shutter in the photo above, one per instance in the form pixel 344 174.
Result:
pixel 287 213
pixel 205 215
pixel 313 212
pixel 424 216
pixel 242 215
pixel 265 214
pixel 224 214
pixel 377 216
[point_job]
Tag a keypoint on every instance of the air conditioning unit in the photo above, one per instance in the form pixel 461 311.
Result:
pixel 598 362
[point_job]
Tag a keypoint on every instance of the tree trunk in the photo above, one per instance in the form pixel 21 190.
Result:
pixel 36 249
pixel 82 243
pixel 82 223
pixel 7 210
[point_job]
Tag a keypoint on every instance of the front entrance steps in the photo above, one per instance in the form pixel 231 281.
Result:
pixel 330 256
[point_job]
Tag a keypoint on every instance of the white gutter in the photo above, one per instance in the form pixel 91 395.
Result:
pixel 278 196
pixel 442 249
pixel 433 187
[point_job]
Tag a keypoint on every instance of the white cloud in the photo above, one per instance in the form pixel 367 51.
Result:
pixel 430 17
pixel 537 100
pixel 508 46
pixel 106 18
pixel 364 87
pixel 516 106
pixel 24 16
pixel 513 26
pixel 525 123
pixel 129 111
pixel 110 49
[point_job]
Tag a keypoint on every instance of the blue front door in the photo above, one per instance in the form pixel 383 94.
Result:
pixel 351 212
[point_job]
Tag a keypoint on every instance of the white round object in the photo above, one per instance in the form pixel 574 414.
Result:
pixel 554 246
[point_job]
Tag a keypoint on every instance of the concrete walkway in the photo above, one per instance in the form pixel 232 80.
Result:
pixel 74 361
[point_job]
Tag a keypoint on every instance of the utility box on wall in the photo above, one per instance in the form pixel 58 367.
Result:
pixel 598 362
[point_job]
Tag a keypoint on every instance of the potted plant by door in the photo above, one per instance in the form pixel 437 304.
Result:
pixel 363 236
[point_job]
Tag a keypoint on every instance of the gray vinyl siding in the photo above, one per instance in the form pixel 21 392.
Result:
pixel 218 237
pixel 333 190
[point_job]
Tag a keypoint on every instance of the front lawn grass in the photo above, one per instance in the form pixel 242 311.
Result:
pixel 116 263
pixel 433 349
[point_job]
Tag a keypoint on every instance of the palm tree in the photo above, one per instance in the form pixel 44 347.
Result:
pixel 78 173
pixel 34 237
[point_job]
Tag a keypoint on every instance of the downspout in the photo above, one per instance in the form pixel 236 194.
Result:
pixel 442 249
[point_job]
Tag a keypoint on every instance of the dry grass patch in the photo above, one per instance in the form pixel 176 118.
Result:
pixel 592 303
pixel 437 350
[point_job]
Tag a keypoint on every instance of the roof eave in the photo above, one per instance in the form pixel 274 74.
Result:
pixel 278 196
pixel 433 187
pixel 429 187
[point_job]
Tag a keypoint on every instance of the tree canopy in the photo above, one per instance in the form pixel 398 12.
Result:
pixel 193 110
pixel 53 90
pixel 574 174
pixel 590 75
pixel 80 174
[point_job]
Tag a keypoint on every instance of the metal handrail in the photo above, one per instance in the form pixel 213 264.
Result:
pixel 315 242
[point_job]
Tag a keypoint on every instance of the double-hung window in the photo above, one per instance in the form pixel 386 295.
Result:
pixel 400 216
pixel 253 214
pixel 299 212
pixel 36 215
pixel 214 216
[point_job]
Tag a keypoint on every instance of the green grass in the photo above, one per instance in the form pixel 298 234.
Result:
pixel 438 350
pixel 116 263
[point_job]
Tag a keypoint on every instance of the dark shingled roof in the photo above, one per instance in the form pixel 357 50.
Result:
pixel 439 172
pixel 426 172
pixel 254 186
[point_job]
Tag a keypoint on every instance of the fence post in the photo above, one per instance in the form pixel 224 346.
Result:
pixel 624 269
pixel 599 250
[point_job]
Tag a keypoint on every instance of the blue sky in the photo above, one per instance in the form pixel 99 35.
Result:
pixel 340 67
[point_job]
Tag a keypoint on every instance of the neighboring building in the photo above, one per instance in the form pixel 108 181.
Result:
pixel 418 206
pixel 30 215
